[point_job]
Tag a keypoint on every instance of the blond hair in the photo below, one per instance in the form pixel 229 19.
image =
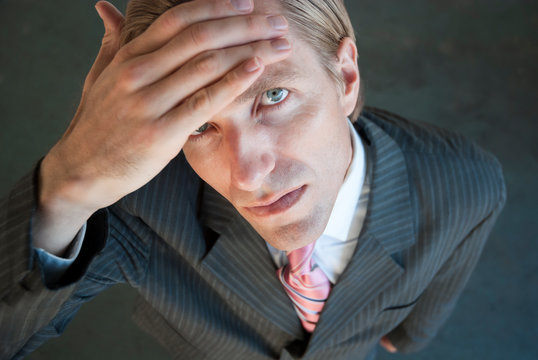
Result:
pixel 321 23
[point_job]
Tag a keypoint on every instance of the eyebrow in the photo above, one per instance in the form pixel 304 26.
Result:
pixel 267 81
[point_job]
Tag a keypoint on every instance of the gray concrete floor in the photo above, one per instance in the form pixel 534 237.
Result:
pixel 465 65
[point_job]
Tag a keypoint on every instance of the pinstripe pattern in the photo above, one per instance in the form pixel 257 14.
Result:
pixel 434 198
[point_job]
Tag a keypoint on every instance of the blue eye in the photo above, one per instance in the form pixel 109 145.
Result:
pixel 274 96
pixel 201 129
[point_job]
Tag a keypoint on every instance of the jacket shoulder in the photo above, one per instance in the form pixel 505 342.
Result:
pixel 421 137
pixel 445 169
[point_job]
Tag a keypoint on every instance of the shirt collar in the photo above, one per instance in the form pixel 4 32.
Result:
pixel 348 197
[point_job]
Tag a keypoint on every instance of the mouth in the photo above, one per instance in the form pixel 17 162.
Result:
pixel 279 204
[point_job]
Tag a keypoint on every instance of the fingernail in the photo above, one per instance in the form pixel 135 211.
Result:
pixel 281 44
pixel 278 22
pixel 242 5
pixel 252 65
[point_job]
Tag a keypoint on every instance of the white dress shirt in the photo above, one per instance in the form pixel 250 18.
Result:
pixel 334 249
pixel 55 266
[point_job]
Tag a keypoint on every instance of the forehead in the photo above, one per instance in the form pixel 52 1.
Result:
pixel 302 65
pixel 301 70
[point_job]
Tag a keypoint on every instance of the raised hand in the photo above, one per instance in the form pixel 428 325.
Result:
pixel 141 102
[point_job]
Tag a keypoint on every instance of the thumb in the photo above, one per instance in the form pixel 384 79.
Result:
pixel 113 22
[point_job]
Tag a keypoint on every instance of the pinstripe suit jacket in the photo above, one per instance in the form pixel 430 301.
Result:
pixel 206 281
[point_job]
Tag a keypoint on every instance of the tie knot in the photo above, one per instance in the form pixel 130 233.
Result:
pixel 307 287
pixel 300 260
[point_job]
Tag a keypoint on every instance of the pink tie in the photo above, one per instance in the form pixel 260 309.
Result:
pixel 306 284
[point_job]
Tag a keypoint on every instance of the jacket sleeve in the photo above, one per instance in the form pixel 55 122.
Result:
pixel 438 300
pixel 27 305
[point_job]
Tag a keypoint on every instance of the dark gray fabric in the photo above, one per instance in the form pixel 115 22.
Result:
pixel 207 283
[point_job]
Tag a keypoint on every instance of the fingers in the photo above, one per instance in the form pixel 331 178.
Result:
pixel 113 22
pixel 387 344
pixel 204 69
pixel 207 102
pixel 200 37
pixel 178 18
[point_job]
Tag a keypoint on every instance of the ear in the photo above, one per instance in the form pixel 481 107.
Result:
pixel 347 66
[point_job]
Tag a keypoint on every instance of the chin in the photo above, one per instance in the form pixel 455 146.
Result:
pixel 289 245
pixel 297 234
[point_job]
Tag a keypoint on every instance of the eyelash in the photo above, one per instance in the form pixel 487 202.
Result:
pixel 274 107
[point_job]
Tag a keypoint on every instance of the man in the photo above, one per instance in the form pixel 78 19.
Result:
pixel 392 215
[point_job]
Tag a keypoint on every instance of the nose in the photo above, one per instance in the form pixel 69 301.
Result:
pixel 251 159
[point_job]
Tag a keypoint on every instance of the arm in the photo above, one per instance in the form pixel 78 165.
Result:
pixel 26 304
pixel 35 312
pixel 139 105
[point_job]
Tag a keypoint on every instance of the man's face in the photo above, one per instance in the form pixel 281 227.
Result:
pixel 281 157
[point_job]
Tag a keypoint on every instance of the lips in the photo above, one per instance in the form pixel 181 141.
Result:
pixel 279 205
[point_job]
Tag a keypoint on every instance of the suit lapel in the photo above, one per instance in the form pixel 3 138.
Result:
pixel 232 251
pixel 387 229
pixel 240 260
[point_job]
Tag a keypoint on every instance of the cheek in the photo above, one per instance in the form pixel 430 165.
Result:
pixel 322 143
pixel 297 138
pixel 206 164
pixel 315 130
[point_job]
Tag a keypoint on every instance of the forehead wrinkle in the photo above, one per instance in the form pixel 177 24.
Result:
pixel 269 80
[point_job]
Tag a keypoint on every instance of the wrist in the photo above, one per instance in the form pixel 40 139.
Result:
pixel 60 212
pixel 60 192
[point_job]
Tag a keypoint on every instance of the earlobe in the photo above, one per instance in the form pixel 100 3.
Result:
pixel 349 69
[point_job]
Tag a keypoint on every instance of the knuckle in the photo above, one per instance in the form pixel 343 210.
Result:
pixel 200 101
pixel 131 75
pixel 208 63
pixel 251 22
pixel 173 19
pixel 199 34
pixel 231 83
